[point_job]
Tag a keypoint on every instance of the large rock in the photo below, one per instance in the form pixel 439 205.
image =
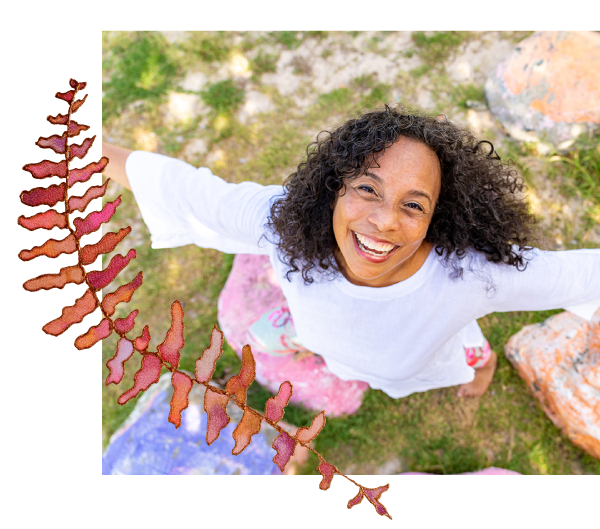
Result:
pixel 252 289
pixel 560 361
pixel 147 443
pixel 547 90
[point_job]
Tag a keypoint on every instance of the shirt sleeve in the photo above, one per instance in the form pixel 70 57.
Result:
pixel 182 205
pixel 552 280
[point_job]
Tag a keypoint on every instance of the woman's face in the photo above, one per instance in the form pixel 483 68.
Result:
pixel 381 220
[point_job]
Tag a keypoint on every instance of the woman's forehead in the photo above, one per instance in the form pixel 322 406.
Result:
pixel 406 161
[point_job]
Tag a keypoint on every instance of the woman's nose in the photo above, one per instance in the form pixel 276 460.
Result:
pixel 385 218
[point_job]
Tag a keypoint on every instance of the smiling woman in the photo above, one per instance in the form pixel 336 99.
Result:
pixel 405 230
pixel 384 215
pixel 478 204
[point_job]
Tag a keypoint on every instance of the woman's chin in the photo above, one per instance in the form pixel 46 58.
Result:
pixel 365 272
pixel 371 274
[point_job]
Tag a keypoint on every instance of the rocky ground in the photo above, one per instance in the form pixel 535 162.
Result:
pixel 246 105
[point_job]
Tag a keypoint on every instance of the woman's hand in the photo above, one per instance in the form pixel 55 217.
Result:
pixel 115 170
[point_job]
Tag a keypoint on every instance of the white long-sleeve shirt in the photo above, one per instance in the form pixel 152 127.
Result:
pixel 403 338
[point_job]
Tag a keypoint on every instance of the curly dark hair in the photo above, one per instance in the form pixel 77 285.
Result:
pixel 480 205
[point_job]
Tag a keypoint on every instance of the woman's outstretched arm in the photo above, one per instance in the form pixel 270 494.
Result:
pixel 115 170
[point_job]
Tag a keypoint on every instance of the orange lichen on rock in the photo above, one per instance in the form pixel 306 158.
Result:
pixel 559 360
pixel 545 60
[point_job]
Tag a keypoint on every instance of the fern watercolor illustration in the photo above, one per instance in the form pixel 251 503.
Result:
pixel 167 354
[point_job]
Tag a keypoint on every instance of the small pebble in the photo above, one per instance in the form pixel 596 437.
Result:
pixel 475 105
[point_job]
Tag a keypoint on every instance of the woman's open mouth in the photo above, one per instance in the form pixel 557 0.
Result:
pixel 371 250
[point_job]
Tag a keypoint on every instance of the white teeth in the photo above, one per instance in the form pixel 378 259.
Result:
pixel 370 244
pixel 385 248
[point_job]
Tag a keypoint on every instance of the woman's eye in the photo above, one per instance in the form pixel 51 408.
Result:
pixel 368 189
pixel 414 205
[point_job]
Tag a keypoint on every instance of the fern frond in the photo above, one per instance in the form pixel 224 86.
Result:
pixel 174 342
pixel 168 352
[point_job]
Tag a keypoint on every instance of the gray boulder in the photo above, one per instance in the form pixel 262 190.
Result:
pixel 547 91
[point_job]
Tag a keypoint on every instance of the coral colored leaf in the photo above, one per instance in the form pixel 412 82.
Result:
pixel 116 364
pixel 98 280
pixel 85 305
pixel 124 325
pixel 79 151
pixel 182 385
pixel 246 428
pixel 60 119
pixel 275 406
pixel 122 294
pixel 285 446
pixel 93 221
pixel 174 341
pixel 373 495
pixel 107 244
pixel 51 248
pixel 83 174
pixel 141 342
pixel 47 220
pixel 304 435
pixel 75 128
pixel 215 405
pixel 80 203
pixel 46 168
pixel 239 384
pixel 55 142
pixel 74 84
pixel 327 471
pixel 94 335
pixel 43 195
pixel 69 274
pixel 205 365
pixel 78 104
pixel 65 96
pixel 148 374
pixel 356 500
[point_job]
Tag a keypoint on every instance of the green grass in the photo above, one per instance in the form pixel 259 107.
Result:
pixel 378 95
pixel 289 39
pixel 224 96
pixel 432 431
pixel 292 38
pixel 582 167
pixel 209 46
pixel 420 71
pixel 463 93
pixel 575 174
pixel 142 68
pixel 264 63
pixel 435 49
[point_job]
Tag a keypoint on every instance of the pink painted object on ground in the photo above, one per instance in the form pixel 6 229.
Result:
pixel 491 471
pixel 250 291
